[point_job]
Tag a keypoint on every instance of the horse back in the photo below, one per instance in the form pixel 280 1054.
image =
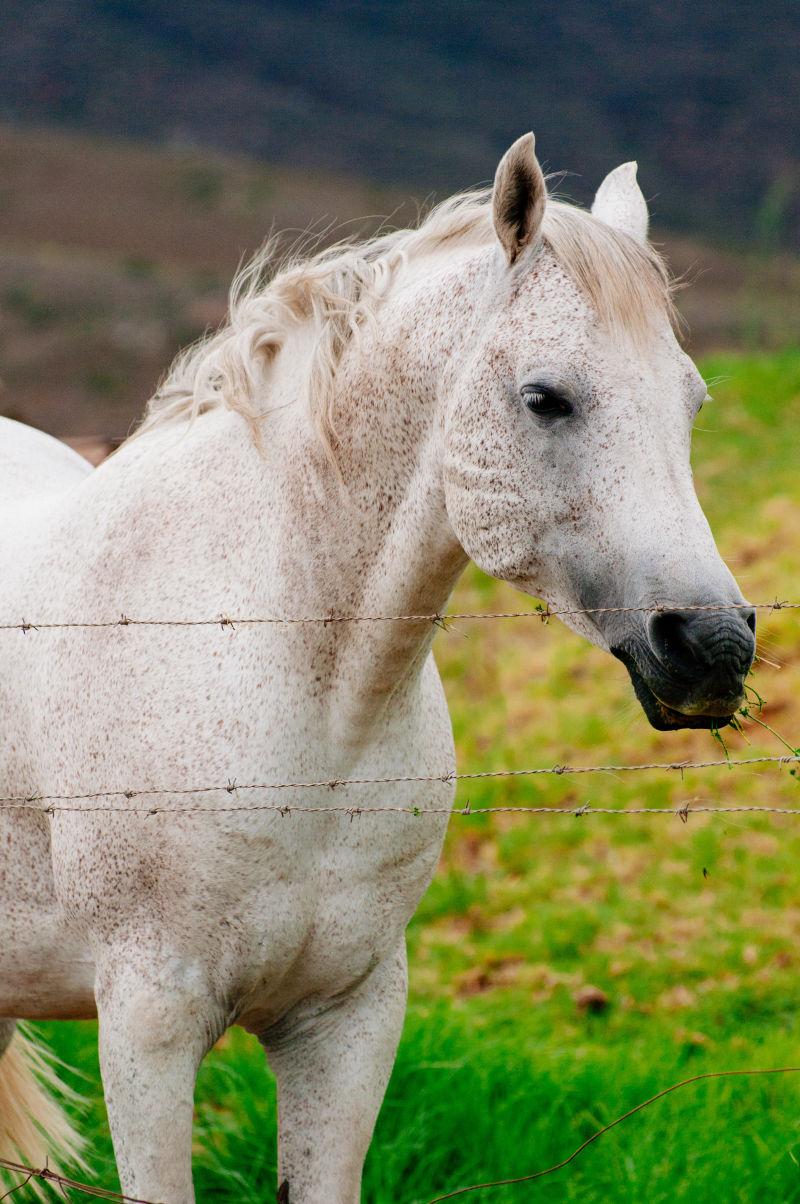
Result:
pixel 33 464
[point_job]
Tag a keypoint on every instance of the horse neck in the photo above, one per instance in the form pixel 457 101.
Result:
pixel 378 540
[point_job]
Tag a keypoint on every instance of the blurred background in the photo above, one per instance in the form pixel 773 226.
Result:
pixel 561 970
pixel 147 146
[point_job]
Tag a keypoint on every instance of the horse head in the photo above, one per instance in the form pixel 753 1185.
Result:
pixel 568 430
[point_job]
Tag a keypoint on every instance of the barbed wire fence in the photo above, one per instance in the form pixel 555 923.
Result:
pixel 89 801
pixel 541 611
pixel 82 802
pixel 46 1175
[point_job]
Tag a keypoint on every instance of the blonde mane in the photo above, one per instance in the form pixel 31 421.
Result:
pixel 338 290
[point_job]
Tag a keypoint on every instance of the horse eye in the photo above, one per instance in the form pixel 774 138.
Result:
pixel 545 403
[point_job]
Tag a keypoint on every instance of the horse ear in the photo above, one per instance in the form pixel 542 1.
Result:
pixel 519 198
pixel 620 203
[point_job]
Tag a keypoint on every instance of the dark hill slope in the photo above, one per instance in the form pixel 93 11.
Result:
pixel 113 255
pixel 705 95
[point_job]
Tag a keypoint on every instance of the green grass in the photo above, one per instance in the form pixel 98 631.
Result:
pixel 692 932
pixel 483 1092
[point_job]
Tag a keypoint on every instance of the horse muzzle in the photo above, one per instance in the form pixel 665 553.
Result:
pixel 688 667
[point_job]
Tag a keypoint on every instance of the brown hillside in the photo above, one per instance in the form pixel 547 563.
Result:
pixel 114 255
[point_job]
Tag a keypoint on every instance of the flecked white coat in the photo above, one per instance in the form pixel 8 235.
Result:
pixel 174 926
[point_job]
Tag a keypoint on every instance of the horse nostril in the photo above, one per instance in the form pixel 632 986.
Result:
pixel 688 641
pixel 671 641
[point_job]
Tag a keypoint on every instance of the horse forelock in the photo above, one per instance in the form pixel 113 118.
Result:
pixel 338 291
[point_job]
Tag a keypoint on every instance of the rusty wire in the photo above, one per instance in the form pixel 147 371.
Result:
pixel 551 1170
pixel 541 611
pixel 72 802
pixel 62 1181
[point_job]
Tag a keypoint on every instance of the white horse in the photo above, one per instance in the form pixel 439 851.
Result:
pixel 502 384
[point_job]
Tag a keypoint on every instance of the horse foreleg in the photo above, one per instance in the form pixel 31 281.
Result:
pixel 157 1022
pixel 332 1074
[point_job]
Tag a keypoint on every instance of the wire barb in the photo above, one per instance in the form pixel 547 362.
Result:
pixel 542 611
pixel 63 1182
pixel 87 802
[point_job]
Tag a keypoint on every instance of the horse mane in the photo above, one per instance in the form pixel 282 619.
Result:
pixel 338 291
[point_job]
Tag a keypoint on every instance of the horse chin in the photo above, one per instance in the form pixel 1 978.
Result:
pixel 660 715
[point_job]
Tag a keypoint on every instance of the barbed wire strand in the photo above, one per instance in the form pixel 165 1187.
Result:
pixel 683 812
pixel 551 1170
pixel 62 1181
pixel 542 612
pixel 61 802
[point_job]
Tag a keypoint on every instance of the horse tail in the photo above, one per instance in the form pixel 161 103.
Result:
pixel 34 1130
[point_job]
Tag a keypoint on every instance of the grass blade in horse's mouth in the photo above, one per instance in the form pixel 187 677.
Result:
pixel 660 715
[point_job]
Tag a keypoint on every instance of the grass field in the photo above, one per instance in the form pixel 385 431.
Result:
pixel 689 932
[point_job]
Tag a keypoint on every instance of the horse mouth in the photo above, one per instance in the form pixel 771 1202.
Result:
pixel 662 716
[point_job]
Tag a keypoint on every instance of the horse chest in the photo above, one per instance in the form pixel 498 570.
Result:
pixel 332 914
